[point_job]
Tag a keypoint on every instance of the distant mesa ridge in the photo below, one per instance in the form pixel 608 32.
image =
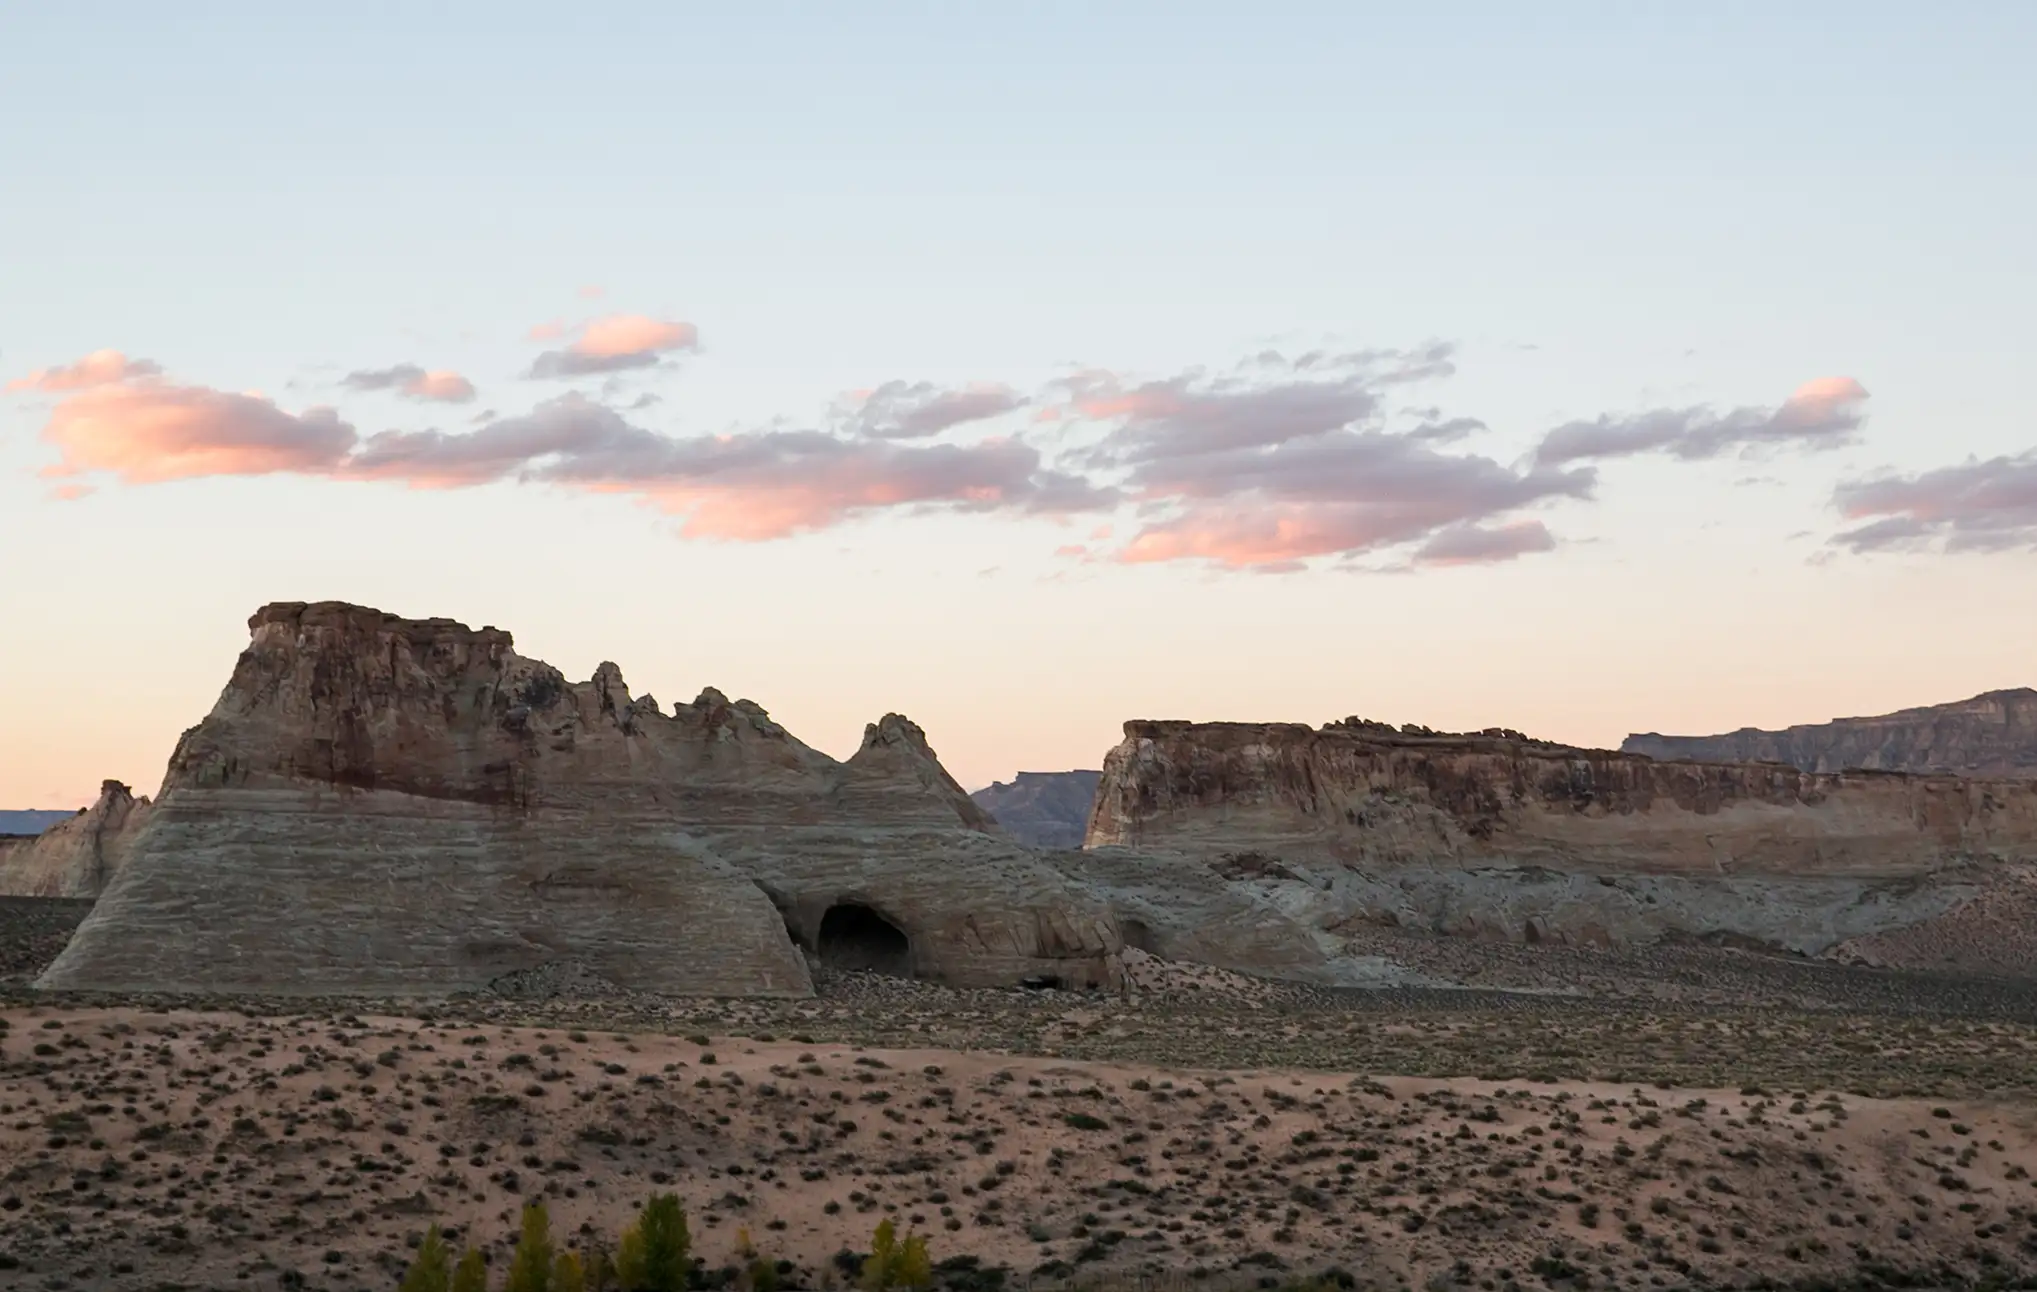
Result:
pixel 1992 734
pixel 1042 809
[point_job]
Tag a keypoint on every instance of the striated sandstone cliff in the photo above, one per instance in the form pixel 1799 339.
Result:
pixel 80 855
pixel 1994 734
pixel 384 805
pixel 1497 834
pixel 1042 809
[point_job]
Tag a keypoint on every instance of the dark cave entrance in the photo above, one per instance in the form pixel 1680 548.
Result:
pixel 1136 935
pixel 856 937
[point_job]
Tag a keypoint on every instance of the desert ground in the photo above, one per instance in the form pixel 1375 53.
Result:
pixel 1719 1120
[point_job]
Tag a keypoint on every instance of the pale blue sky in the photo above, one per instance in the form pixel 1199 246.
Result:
pixel 1606 208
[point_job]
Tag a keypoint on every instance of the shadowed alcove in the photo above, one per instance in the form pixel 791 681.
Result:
pixel 856 937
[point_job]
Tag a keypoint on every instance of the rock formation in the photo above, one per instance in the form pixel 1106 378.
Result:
pixel 1994 734
pixel 80 855
pixel 1500 835
pixel 379 805
pixel 1042 809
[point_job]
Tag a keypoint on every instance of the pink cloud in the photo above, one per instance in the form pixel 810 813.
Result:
pixel 550 330
pixel 99 368
pixel 149 433
pixel 616 344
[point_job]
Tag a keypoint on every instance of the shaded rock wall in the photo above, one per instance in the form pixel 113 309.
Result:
pixel 1994 734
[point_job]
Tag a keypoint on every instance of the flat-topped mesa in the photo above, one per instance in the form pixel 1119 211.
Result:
pixel 80 856
pixel 1992 734
pixel 1367 795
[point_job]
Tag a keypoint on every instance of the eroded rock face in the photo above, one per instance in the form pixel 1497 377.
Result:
pixel 1994 734
pixel 80 855
pixel 1042 809
pixel 1497 835
pixel 384 805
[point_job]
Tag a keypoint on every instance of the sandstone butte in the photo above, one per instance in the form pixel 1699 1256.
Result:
pixel 386 806
pixel 1494 834
pixel 1993 734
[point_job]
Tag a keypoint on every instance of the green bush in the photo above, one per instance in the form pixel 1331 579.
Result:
pixel 432 1270
pixel 896 1264
pixel 471 1274
pixel 656 1251
pixel 530 1269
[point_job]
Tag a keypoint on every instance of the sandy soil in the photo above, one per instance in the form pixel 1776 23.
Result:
pixel 214 1149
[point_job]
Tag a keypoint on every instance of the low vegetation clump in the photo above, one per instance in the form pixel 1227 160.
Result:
pixel 654 1255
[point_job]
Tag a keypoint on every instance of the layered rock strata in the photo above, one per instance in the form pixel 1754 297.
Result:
pixel 80 855
pixel 380 805
pixel 1994 734
pixel 1496 834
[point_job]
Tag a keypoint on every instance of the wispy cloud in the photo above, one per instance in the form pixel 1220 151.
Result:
pixel 409 379
pixel 899 410
pixel 1821 414
pixel 617 343
pixel 99 368
pixel 1978 506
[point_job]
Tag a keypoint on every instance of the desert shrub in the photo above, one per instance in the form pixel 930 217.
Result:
pixel 656 1251
pixel 432 1269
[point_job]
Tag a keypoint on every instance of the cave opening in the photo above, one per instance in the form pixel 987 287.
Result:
pixel 1136 935
pixel 855 937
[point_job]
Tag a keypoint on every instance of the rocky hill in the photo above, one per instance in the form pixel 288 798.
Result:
pixel 1042 809
pixel 80 855
pixel 1498 835
pixel 1994 734
pixel 386 805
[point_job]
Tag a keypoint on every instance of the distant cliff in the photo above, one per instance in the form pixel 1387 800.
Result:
pixel 1042 809
pixel 32 821
pixel 1994 734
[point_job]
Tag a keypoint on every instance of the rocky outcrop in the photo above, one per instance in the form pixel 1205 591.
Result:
pixel 80 855
pixel 380 805
pixel 1042 809
pixel 1994 734
pixel 1495 834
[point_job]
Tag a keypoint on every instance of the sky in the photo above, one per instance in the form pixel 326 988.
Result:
pixel 1577 368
